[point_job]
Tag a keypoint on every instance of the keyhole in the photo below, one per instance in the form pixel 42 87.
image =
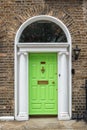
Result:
pixel 59 75
pixel 53 82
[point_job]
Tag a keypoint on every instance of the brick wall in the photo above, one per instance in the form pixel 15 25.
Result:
pixel 73 13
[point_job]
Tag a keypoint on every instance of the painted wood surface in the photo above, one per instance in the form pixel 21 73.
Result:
pixel 43 84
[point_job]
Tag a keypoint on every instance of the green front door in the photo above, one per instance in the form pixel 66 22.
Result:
pixel 43 84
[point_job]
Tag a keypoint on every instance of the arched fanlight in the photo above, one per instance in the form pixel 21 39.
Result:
pixel 43 31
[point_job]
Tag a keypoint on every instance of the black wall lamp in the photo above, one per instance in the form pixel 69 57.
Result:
pixel 75 53
pixel 75 56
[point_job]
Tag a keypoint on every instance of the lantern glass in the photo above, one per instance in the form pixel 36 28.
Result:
pixel 76 52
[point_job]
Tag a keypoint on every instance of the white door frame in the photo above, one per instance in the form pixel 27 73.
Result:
pixel 64 70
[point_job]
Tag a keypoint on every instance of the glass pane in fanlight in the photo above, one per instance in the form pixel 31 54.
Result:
pixel 43 31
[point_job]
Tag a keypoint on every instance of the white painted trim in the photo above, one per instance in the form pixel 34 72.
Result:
pixel 21 48
pixel 42 50
pixel 28 82
pixel 21 118
pixel 63 87
pixel 4 118
pixel 57 81
pixel 40 45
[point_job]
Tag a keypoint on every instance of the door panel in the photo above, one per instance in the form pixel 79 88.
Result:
pixel 43 84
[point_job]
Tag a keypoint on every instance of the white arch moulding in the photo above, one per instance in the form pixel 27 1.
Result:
pixel 64 69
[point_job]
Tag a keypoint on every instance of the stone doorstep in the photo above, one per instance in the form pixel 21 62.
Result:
pixel 43 124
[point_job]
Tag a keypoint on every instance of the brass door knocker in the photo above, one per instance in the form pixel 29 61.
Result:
pixel 42 70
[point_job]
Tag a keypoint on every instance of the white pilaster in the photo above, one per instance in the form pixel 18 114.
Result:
pixel 22 109
pixel 63 87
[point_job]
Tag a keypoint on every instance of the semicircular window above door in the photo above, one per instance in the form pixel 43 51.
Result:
pixel 43 31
